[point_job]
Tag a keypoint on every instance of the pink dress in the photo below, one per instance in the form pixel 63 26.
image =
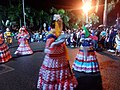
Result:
pixel 24 47
pixel 4 51
pixel 55 72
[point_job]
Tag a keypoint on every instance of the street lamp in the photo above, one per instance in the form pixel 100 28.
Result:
pixel 86 8
pixel 24 12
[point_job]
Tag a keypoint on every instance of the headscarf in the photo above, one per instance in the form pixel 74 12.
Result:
pixel 86 32
pixel 58 26
pixel 23 28
pixel 57 29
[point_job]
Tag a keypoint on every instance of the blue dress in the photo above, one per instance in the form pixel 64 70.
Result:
pixel 86 60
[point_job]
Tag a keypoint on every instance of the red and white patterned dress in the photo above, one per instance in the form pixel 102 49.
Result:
pixel 24 47
pixel 55 72
pixel 4 51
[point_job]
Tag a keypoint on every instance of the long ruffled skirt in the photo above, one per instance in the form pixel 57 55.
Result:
pixel 87 64
pixel 4 53
pixel 24 48
pixel 55 74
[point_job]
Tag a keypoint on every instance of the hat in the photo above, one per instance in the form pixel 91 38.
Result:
pixel 23 29
pixel 85 31
pixel 56 17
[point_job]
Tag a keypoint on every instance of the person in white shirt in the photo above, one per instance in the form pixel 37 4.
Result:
pixel 117 44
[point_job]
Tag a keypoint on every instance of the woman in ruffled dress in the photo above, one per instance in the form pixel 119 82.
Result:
pixel 24 47
pixel 4 50
pixel 86 60
pixel 55 72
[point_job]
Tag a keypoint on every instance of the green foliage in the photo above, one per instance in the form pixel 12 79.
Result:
pixel 93 18
pixel 111 6
pixel 74 20
pixel 37 18
pixel 1 14
pixel 62 13
pixel 53 10
pixel 44 17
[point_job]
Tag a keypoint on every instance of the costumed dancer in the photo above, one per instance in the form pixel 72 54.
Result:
pixel 8 36
pixel 86 60
pixel 24 47
pixel 55 72
pixel 4 50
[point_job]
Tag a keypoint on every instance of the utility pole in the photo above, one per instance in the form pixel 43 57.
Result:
pixel 118 21
pixel 105 14
pixel 24 13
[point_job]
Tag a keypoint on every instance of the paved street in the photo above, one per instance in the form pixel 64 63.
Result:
pixel 21 73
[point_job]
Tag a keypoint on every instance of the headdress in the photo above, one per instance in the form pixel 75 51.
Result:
pixel 7 29
pixel 56 17
pixel 86 32
pixel 57 28
pixel 57 25
pixel 23 29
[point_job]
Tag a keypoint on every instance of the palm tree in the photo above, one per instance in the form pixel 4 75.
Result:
pixel 93 18
pixel 111 6
pixel 15 12
pixel 2 14
pixel 44 17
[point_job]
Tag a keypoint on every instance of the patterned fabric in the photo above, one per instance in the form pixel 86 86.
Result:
pixel 86 60
pixel 24 48
pixel 4 53
pixel 55 72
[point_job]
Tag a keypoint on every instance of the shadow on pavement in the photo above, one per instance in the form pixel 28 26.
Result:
pixel 88 81
pixel 17 56
pixel 35 46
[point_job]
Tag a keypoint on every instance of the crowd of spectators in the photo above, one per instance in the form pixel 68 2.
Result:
pixel 103 38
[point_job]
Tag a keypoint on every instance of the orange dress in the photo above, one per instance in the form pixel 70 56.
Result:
pixel 4 51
